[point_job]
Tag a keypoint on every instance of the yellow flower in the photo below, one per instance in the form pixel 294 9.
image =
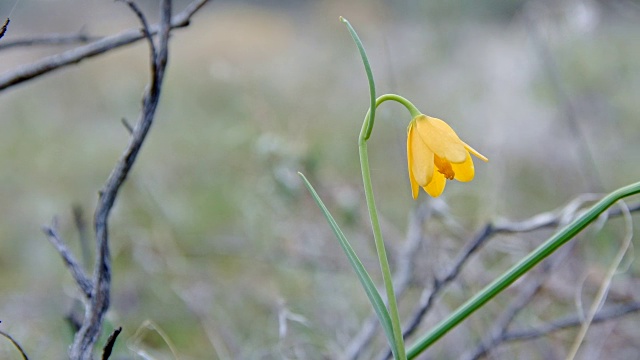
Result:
pixel 435 153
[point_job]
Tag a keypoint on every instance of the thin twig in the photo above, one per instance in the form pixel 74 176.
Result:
pixel 603 315
pixel 54 62
pixel 500 327
pixel 111 341
pixel 83 235
pixel 537 222
pixel 606 284
pixel 574 118
pixel 49 39
pixel 3 29
pixel 83 281
pixel 429 295
pixel 86 337
pixel 404 274
pixel 526 294
pixel 127 126
pixel 145 26
pixel 15 344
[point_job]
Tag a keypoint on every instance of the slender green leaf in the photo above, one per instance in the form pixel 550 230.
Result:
pixel 363 275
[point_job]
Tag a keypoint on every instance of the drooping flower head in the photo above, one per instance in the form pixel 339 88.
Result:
pixel 435 153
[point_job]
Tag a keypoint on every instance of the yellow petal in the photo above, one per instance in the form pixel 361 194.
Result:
pixel 441 139
pixel 465 171
pixel 414 185
pixel 436 186
pixel 420 158
pixel 474 152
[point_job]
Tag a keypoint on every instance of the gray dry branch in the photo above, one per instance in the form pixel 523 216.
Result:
pixel 96 290
pixel 98 304
pixel 546 220
pixel 49 39
pixel 74 56
pixel 15 344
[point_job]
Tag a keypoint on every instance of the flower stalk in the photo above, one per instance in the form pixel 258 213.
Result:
pixel 365 133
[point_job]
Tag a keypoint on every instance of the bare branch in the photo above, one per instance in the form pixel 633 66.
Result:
pixel 76 55
pixel 429 295
pixel 537 222
pixel 145 26
pixel 86 337
pixel 69 260
pixel 50 39
pixel 111 341
pixel 610 313
pixel 404 274
pixel 495 336
pixel 15 344
pixel 3 29
pixel 127 126
pixel 83 235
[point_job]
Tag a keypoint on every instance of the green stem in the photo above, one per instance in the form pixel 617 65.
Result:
pixel 365 132
pixel 367 125
pixel 498 285
pixel 382 254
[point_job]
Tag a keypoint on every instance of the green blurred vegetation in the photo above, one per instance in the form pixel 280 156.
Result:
pixel 213 234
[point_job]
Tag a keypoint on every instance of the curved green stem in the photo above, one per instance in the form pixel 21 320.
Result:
pixel 365 133
pixel 498 285
pixel 367 125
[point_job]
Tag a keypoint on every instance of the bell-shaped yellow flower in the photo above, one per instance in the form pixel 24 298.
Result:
pixel 435 153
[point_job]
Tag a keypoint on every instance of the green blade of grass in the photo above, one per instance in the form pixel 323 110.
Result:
pixel 368 285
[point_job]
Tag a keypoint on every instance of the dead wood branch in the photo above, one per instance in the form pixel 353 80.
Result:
pixel 96 290
pixel 536 222
pixel 15 344
pixel 98 305
pixel 74 56
pixel 50 39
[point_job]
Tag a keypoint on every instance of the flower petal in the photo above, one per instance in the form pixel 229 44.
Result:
pixel 474 152
pixel 420 158
pixel 441 138
pixel 415 188
pixel 436 186
pixel 465 171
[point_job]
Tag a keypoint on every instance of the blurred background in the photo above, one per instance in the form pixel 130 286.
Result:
pixel 215 242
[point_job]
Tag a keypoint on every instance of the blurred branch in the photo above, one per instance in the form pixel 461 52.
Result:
pixel 127 126
pixel 50 39
pixel 525 295
pixel 499 333
pixel 15 344
pixel 535 280
pixel 537 222
pixel 86 337
pixel 54 62
pixel 3 29
pixel 83 234
pixel 610 313
pixel 111 341
pixel 604 315
pixel 568 108
pixel 96 290
pixel 70 261
pixel 404 273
